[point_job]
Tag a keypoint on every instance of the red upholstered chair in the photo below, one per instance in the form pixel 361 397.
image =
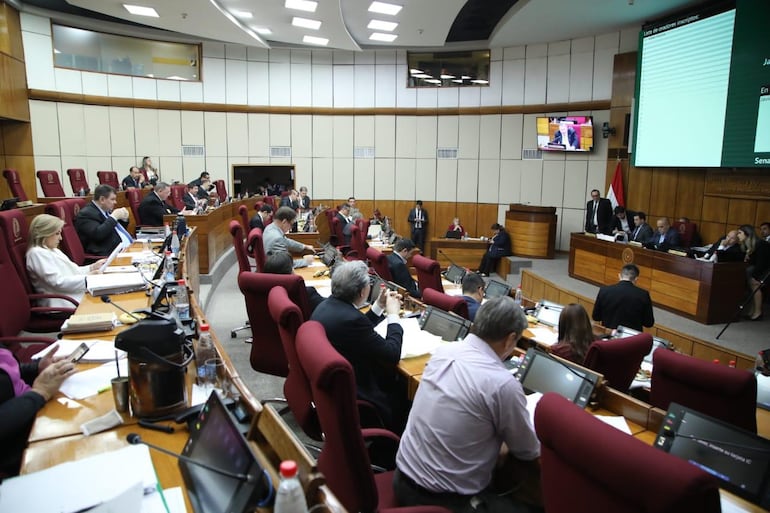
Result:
pixel 618 359
pixel 67 210
pixel 722 392
pixel 363 225
pixel 49 182
pixel 686 232
pixel 176 197
pixel 379 262
pixel 428 273
pixel 447 303
pixel 587 465
pixel 109 178
pixel 270 200
pixel 339 237
pixel 257 248
pixel 134 198
pixel 243 212
pixel 357 244
pixel 239 246
pixel 267 354
pixel 344 460
pixel 221 190
pixel 78 181
pixel 14 184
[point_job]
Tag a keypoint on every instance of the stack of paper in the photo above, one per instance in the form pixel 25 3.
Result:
pixel 83 323
pixel 114 283
pixel 99 351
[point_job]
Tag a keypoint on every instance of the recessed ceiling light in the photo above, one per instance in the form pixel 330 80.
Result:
pixel 263 31
pixel 385 8
pixel 301 5
pixel 141 11
pixel 458 81
pixel 480 81
pixel 446 77
pixel 379 36
pixel 415 71
pixel 423 75
pixel 306 23
pixel 465 77
pixel 388 26
pixel 433 81
pixel 247 15
pixel 313 40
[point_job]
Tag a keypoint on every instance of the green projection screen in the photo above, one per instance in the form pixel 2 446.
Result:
pixel 703 88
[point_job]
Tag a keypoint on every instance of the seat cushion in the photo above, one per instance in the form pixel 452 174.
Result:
pixel 386 495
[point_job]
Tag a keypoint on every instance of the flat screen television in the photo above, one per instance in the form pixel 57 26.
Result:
pixel 565 133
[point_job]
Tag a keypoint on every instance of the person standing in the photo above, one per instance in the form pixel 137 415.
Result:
pixel 624 303
pixel 150 171
pixel 418 220
pixel 758 257
pixel 598 214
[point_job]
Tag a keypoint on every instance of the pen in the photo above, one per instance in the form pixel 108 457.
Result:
pixel 104 388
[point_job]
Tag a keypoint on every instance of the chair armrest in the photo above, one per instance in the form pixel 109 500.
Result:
pixel 54 296
pixel 50 310
pixel 369 433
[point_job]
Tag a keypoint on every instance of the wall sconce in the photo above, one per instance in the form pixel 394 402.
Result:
pixel 607 130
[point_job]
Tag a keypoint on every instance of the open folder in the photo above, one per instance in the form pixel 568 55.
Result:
pixel 114 283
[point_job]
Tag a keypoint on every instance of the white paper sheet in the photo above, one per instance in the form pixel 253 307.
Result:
pixel 99 350
pixel 416 342
pixel 153 503
pixel 544 336
pixel 532 400
pixel 616 422
pixel 89 382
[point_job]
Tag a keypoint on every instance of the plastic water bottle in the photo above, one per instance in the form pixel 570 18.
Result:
pixel 204 351
pixel 182 301
pixel 175 244
pixel 290 497
pixel 169 275
pixel 167 230
pixel 517 296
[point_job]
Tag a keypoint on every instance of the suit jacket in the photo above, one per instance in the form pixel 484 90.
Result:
pixel 129 182
pixel 473 307
pixel 670 239
pixel 501 245
pixel 572 138
pixel 190 201
pixel 257 222
pixel 152 209
pixel 617 225
pixel 400 273
pixel 735 248
pixel 97 233
pixel 373 358
pixel 643 233
pixel 604 217
pixel 287 202
pixel 623 304
pixel 304 202
pixel 413 217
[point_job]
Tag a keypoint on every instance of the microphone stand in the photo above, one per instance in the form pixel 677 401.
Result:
pixel 748 300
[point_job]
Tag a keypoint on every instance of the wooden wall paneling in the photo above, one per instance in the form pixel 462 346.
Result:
pixel 17 137
pixel 740 211
pixel 711 232
pixel 551 292
pixel 486 217
pixel 618 122
pixel 441 217
pixel 386 207
pixel 10 32
pixel 715 209
pixel 763 213
pixel 623 79
pixel 662 194
pixel 14 103
pixel 566 298
pixel 366 207
pixel 468 213
pixel 401 212
pixel 638 189
pixel 681 343
pixel 689 193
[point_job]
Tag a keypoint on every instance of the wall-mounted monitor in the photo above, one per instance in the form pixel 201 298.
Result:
pixel 565 133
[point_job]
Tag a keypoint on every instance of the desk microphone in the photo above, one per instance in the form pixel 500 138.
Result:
pixel 107 299
pixel 135 439
pixel 719 443
pixel 447 257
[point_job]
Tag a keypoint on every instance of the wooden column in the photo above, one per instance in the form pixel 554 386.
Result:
pixel 532 230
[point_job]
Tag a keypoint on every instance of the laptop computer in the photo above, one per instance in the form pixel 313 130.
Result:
pixel 9 204
pixel 455 273
pixel 542 372
pixel 216 440
pixel 448 326
pixel 738 458
pixel 495 288
pixel 453 234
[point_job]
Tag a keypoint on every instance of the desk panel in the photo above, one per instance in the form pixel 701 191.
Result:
pixel 465 253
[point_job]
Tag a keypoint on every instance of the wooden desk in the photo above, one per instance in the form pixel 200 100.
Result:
pixel 703 291
pixel 463 252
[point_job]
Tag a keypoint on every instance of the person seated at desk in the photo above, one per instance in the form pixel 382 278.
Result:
pixel 456 227
pixel 575 334
pixel 473 293
pixel 261 217
pixel 758 257
pixel 642 231
pixel 190 197
pixel 500 246
pixel 274 237
pixel 304 199
pixel 566 136
pixel 291 200
pixel 624 303
pixel 727 244
pixel 24 390
pixel 469 411
pixel 134 180
pixel 666 237
pixel 153 207
pixel 99 227
pixel 398 269
pixel 373 358
pixel 621 221
pixel 50 270
pixel 204 185
pixel 282 263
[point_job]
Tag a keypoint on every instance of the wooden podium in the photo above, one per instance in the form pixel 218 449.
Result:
pixel 532 230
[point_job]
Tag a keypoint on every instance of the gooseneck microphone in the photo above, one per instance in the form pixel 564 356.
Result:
pixel 107 299
pixel 135 439
pixel 447 257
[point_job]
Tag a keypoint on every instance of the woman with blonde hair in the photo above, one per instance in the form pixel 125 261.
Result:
pixel 51 271
pixel 152 172
pixel 575 334
pixel 758 257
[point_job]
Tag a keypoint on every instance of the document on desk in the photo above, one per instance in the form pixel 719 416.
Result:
pixel 92 381
pixel 83 484
pixel 416 342
pixel 98 350
pixel 616 422
pixel 545 336
pixel 115 283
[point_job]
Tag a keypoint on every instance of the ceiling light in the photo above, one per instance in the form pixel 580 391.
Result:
pixel 415 71
pixel 480 81
pixel 312 40
pixel 244 14
pixel 446 77
pixel 306 23
pixel 263 31
pixel 384 8
pixel 388 26
pixel 465 77
pixel 423 75
pixel 379 36
pixel 141 11
pixel 433 81
pixel 56 51
pixel 301 5
pixel 458 81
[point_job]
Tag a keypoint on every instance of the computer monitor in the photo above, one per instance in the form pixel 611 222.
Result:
pixel 9 204
pixel 448 326
pixel 216 440
pixel 738 458
pixel 548 312
pixel 455 273
pixel 495 288
pixel 541 372
pixel 453 234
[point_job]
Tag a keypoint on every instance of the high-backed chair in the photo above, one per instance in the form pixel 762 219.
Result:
pixel 239 246
pixel 267 354
pixel 339 237
pixel 134 198
pixel 379 262
pixel 446 302
pixel 363 225
pixel 257 248
pixel 587 465
pixel 243 212
pixel 618 359
pixel 296 389
pixel 428 273
pixel 78 181
pixel 221 190
pixel 357 243
pixel 722 392
pixel 67 210
pixel 344 460
pixel 14 184
pixel 176 197
pixel 50 183
pixel 270 200
pixel 109 178
pixel 686 232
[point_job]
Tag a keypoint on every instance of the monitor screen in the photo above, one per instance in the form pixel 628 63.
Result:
pixel 446 325
pixel 495 288
pixel 548 312
pixel 541 372
pixel 455 273
pixel 740 459
pixel 565 133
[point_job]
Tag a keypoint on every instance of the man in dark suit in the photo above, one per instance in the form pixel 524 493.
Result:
pixel 190 197
pixel 398 269
pixel 624 303
pixel 134 180
pixel 261 217
pixel 373 358
pixel 343 216
pixel 418 220
pixel 598 214
pixel 153 207
pixel 622 221
pixel 99 227
pixel 304 199
pixel 727 244
pixel 642 231
pixel 666 237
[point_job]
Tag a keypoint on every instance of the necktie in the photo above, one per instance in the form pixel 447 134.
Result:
pixel 596 221
pixel 125 237
pixel 636 232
